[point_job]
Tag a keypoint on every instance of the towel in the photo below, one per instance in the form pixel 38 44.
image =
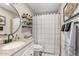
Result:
pixel 72 45
pixel 67 27
pixel 70 39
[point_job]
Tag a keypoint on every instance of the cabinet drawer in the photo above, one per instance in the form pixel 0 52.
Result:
pixel 22 51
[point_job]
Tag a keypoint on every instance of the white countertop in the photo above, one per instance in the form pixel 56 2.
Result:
pixel 12 51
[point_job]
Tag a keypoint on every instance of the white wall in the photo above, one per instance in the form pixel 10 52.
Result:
pixel 62 34
pixel 22 8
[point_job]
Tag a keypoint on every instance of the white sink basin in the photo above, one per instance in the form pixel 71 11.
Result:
pixel 13 45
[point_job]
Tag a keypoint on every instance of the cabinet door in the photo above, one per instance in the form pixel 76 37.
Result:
pixel 25 50
pixel 28 52
pixel 19 53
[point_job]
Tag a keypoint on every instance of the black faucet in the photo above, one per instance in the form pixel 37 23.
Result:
pixel 10 37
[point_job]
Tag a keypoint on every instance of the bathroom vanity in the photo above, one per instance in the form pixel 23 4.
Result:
pixel 26 50
pixel 23 49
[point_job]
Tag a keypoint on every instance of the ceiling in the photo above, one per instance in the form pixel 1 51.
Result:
pixel 8 8
pixel 38 8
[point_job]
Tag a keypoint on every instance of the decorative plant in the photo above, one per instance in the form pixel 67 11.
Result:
pixel 27 19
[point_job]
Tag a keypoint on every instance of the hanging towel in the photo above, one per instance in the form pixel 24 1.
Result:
pixel 72 46
pixel 67 27
pixel 63 27
pixel 70 41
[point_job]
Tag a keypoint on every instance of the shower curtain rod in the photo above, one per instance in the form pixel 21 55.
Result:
pixel 47 13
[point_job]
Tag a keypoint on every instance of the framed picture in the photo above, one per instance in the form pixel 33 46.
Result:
pixel 2 20
pixel 70 10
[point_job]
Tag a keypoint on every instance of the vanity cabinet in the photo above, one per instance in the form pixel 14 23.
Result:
pixel 28 52
pixel 25 51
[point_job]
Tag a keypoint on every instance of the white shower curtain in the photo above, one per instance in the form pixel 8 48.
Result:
pixel 46 32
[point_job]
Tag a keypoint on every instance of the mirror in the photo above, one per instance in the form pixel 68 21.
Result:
pixel 9 19
pixel 15 21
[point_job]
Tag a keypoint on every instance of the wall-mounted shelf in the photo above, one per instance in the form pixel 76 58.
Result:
pixel 27 26
pixel 26 23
